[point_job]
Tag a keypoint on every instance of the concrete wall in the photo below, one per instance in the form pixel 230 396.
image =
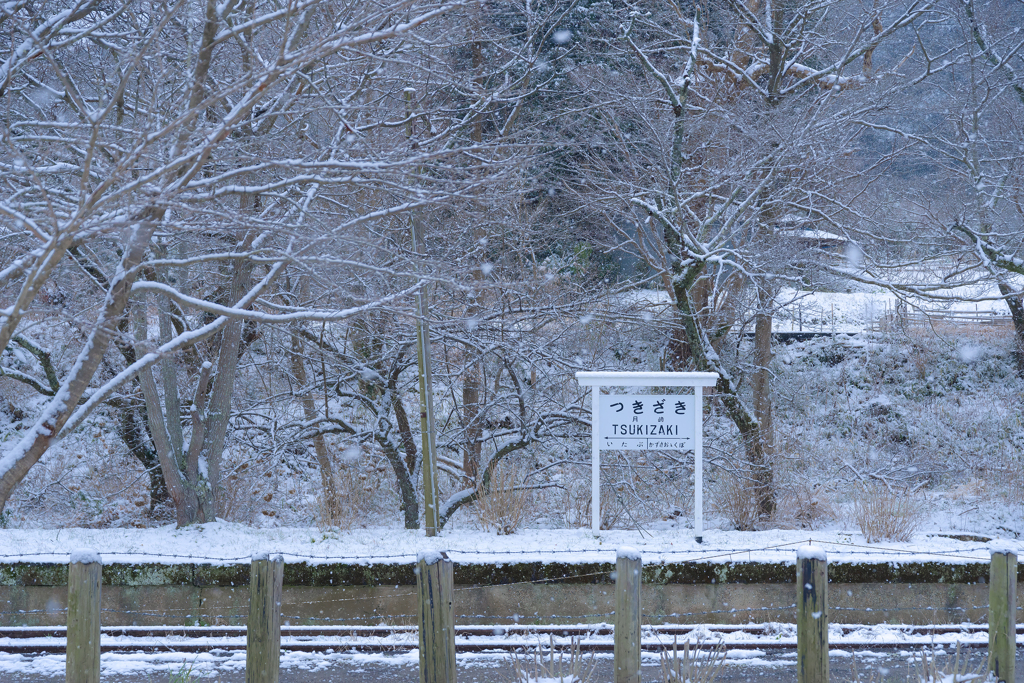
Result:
pixel 527 593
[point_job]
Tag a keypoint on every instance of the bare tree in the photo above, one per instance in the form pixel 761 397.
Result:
pixel 726 138
pixel 130 123
pixel 962 166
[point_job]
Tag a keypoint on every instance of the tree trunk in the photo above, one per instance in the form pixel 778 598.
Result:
pixel 472 378
pixel 1015 302
pixel 129 414
pixel 332 503
pixel 472 382
pixel 219 413
pixel 180 486
pixel 406 486
pixel 706 359
pixel 405 470
pixel 131 435
pixel 760 455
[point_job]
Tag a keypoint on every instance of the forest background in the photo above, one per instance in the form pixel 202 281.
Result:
pixel 227 228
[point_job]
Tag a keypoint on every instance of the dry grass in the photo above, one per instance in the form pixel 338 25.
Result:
pixel 959 331
pixel 699 666
pixel 885 514
pixel 1006 479
pixel 362 487
pixel 507 505
pixel 872 675
pixel 732 497
pixel 242 493
pixel 798 505
pixel 927 669
pixel 1015 488
pixel 803 506
pixel 576 505
pixel 536 668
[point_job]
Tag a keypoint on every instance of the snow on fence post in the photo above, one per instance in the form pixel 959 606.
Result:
pixel 628 568
pixel 811 615
pixel 83 639
pixel 1002 612
pixel 435 580
pixel 263 631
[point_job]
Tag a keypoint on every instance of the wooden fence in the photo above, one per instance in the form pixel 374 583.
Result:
pixel 901 317
pixel 436 620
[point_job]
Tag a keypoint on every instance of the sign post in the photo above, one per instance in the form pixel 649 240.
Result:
pixel 647 422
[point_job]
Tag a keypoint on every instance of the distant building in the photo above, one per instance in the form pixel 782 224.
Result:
pixel 813 238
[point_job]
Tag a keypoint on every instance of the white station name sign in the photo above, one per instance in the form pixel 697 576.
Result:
pixel 646 422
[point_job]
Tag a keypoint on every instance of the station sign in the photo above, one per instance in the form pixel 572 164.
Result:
pixel 646 422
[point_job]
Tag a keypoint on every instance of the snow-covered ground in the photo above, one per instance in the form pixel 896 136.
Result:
pixel 226 543
pixel 860 309
pixel 767 648
pixel 857 311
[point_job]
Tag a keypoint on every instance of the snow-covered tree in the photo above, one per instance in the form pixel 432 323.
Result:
pixel 726 137
pixel 185 154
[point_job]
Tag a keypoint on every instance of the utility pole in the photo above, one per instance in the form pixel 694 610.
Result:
pixel 430 511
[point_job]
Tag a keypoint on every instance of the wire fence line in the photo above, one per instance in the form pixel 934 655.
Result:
pixel 699 555
pixel 380 594
pixel 210 616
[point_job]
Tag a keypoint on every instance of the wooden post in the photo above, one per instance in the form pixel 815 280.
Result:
pixel 83 649
pixel 435 580
pixel 628 566
pixel 1002 612
pixel 811 615
pixel 263 632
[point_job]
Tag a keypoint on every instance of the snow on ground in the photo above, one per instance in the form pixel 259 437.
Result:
pixel 856 311
pixel 764 650
pixel 226 543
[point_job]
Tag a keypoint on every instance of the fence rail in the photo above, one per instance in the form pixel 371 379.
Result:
pixel 901 317
pixel 264 636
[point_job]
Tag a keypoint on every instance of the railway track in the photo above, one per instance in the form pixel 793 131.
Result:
pixel 398 639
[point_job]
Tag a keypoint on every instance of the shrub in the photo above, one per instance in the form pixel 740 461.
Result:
pixel 733 498
pixel 804 507
pixel 576 511
pixel 884 514
pixel 506 506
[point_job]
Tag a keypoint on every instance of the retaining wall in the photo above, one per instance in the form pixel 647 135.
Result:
pixel 518 592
